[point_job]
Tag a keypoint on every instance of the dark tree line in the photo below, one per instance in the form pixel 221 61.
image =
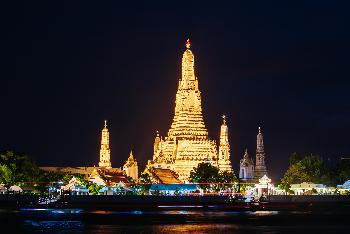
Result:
pixel 19 168
pixel 312 168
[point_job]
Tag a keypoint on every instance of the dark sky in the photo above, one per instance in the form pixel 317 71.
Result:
pixel 68 66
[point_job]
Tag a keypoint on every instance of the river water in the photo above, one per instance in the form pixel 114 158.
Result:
pixel 180 220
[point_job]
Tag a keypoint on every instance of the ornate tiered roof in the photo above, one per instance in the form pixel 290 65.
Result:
pixel 187 143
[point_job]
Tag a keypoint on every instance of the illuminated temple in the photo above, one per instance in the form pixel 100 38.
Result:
pixel 187 143
pixel 105 152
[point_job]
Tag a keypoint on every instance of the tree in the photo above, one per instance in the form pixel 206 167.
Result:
pixel 204 173
pixel 211 178
pixel 94 188
pixel 309 168
pixel 145 178
pixel 228 180
pixel 6 176
pixel 19 166
pixel 294 158
pixel 343 170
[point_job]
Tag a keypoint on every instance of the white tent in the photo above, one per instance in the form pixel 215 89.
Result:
pixel 344 188
pixel 3 189
pixel 346 185
pixel 15 189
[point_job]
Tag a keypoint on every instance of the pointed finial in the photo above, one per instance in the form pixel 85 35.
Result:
pixel 105 123
pixel 259 130
pixel 131 156
pixel 188 44
pixel 246 151
pixel 224 119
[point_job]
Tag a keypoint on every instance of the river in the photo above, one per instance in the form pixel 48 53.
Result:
pixel 180 220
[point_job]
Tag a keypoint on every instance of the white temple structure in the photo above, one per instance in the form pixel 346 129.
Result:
pixel 246 167
pixel 131 168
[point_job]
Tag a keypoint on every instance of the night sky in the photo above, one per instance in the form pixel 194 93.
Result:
pixel 65 67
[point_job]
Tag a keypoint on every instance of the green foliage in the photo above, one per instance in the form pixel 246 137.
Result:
pixel 295 158
pixel 22 168
pixel 243 187
pixel 6 176
pixel 204 173
pixel 130 179
pixel 145 178
pixel 286 187
pixel 214 179
pixel 94 188
pixel 308 168
pixel 66 178
pixel 227 177
pixel 343 171
pixel 143 189
pixel 81 178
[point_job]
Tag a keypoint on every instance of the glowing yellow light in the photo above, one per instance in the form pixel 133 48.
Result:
pixel 187 143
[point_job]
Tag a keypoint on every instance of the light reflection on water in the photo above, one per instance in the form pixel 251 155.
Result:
pixel 262 213
pixel 108 212
pixel 57 211
pixel 61 226
pixel 170 221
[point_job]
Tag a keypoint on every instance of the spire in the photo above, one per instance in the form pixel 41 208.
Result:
pixel 156 143
pixel 224 147
pixel 188 63
pixel 130 167
pixel 246 159
pixel 188 119
pixel 224 119
pixel 105 152
pixel 260 141
pixel 188 43
pixel 260 165
pixel 131 156
pixel 246 167
pixel 223 132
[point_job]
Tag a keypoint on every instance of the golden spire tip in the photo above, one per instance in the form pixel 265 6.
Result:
pixel 224 119
pixel 188 44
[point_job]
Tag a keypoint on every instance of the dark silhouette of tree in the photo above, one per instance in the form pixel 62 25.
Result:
pixel 308 168
pixel 210 178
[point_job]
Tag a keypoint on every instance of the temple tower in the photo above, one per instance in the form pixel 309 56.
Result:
pixel 156 143
pixel 105 152
pixel 224 162
pixel 260 165
pixel 187 143
pixel 130 167
pixel 188 119
pixel 246 167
